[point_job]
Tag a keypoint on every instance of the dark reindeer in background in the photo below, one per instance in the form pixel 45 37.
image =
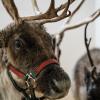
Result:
pixel 29 68
pixel 87 88
pixel 87 73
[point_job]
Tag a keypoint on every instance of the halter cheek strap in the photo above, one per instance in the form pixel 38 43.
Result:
pixel 16 71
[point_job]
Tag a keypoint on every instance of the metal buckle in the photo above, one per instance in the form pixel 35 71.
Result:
pixel 30 80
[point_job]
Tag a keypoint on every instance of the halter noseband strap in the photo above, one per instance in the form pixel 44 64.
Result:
pixel 35 70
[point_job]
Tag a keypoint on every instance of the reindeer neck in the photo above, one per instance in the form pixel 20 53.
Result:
pixel 7 90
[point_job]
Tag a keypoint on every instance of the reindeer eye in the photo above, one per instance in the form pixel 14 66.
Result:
pixel 18 44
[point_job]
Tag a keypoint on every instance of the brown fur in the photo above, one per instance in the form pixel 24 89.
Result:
pixel 52 82
pixel 22 44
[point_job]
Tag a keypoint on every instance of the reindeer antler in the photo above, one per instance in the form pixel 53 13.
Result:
pixel 11 9
pixel 51 14
pixel 61 35
pixel 87 44
pixel 89 19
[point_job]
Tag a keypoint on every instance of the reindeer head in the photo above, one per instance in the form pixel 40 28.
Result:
pixel 29 49
pixel 92 78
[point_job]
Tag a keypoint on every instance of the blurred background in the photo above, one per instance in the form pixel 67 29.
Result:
pixel 72 45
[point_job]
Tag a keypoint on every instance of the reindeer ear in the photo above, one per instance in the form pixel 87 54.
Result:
pixel 11 9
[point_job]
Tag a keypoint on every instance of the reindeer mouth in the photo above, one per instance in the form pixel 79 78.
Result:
pixel 52 83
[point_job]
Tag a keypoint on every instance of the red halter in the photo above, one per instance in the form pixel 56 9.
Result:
pixel 34 70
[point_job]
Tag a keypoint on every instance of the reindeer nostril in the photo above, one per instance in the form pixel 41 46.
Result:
pixel 59 88
pixel 55 86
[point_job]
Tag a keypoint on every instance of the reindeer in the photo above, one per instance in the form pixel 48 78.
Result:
pixel 86 87
pixel 30 69
pixel 87 73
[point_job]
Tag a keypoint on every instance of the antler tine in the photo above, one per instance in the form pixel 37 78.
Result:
pixel 35 7
pixel 11 9
pixel 55 18
pixel 66 9
pixel 42 16
pixel 75 11
pixel 52 13
pixel 63 5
